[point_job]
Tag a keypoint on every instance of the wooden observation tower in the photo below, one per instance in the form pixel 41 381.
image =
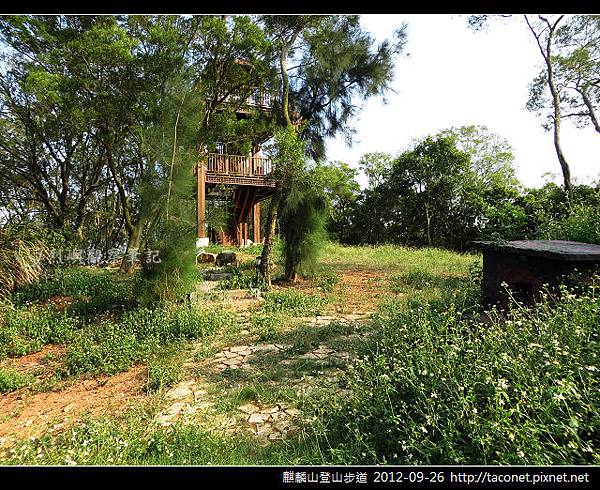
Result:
pixel 246 177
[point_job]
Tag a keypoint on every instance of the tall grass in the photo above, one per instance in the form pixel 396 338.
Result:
pixel 22 261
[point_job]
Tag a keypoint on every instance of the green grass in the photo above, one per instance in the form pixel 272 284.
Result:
pixel 134 441
pixel 79 282
pixel 294 302
pixel 397 258
pixel 26 330
pixel 430 385
pixel 113 347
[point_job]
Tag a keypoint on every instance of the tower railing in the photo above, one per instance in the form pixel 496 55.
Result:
pixel 260 98
pixel 237 165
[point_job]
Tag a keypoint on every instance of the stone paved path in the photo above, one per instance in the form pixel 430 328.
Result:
pixel 268 422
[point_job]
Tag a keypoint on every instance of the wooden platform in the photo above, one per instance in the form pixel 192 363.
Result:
pixel 250 177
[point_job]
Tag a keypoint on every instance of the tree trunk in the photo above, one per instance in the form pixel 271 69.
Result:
pixel 133 246
pixel 428 218
pixel 590 107
pixel 547 55
pixel 265 258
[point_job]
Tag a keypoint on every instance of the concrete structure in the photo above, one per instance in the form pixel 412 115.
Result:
pixel 526 266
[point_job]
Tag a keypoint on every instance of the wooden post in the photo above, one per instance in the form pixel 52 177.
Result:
pixel 245 233
pixel 201 172
pixel 238 232
pixel 256 223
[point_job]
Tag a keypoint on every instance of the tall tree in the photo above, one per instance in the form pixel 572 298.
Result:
pixel 544 31
pixel 576 62
pixel 326 65
pixel 338 181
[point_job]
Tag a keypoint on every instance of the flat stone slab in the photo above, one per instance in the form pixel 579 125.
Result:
pixel 550 249
pixel 220 276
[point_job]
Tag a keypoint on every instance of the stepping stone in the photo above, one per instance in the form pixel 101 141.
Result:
pixel 257 418
pixel 239 348
pixel 182 390
pixel 248 408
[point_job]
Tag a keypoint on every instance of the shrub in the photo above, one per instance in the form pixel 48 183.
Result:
pixel 444 389
pixel 113 347
pixel 11 380
pixel 103 289
pixel 581 225
pixel 293 302
pixel 25 331
pixel 240 280
pixel 23 259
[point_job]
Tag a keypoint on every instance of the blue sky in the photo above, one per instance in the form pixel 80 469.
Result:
pixel 453 76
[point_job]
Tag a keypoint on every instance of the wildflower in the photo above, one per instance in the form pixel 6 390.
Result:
pixel 559 397
pixel 520 453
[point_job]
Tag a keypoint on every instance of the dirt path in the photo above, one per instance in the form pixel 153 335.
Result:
pixel 24 415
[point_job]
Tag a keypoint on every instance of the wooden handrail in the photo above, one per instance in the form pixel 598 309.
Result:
pixel 237 165
pixel 259 98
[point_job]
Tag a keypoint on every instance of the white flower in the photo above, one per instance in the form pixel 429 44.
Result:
pixel 559 396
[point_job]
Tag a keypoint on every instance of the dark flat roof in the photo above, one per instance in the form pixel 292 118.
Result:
pixel 551 249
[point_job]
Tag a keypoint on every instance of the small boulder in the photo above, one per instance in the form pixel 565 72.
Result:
pixel 207 258
pixel 226 258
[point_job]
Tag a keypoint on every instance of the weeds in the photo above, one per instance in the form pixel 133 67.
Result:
pixel 443 389
pixel 11 380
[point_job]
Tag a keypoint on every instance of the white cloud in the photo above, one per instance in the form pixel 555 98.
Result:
pixel 454 76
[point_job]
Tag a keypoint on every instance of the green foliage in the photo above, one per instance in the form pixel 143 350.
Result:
pixel 293 302
pixel 164 369
pixel 11 380
pixel 175 276
pixel 107 441
pixel 241 280
pixel 113 347
pixel 94 290
pixel 338 181
pixel 325 278
pixel 302 209
pixel 444 191
pixel 581 223
pixel 266 325
pixel 339 62
pixel 575 68
pixel 27 330
pixel 442 388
